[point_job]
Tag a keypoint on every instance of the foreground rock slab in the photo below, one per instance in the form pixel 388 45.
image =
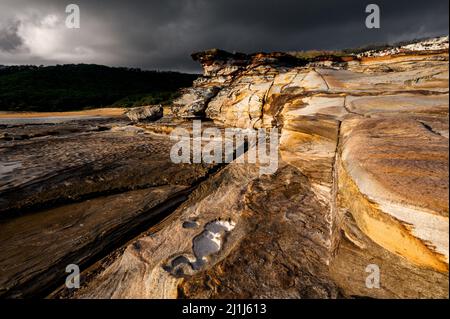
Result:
pixel 145 113
pixel 362 184
pixel 72 196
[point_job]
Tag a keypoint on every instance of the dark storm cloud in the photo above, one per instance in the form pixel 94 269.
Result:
pixel 9 39
pixel 162 34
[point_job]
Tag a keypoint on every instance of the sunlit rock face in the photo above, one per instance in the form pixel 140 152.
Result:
pixel 434 44
pixel 361 184
pixel 145 113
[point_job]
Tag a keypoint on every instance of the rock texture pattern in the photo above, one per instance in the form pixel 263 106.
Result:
pixel 362 182
pixel 358 206
pixel 145 113
pixel 76 191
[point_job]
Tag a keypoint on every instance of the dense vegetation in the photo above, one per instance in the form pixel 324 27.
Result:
pixel 81 86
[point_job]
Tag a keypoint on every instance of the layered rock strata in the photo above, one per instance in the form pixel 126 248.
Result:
pixel 358 206
pixel 362 182
pixel 145 113
pixel 78 190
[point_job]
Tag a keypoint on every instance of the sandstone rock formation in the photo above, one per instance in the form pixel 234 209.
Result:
pixel 194 100
pixel 434 44
pixel 362 180
pixel 145 113
pixel 362 184
pixel 76 191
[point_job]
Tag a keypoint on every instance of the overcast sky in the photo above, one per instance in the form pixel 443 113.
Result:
pixel 162 34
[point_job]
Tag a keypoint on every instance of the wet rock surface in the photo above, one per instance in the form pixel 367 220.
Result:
pixel 145 113
pixel 361 184
pixel 68 196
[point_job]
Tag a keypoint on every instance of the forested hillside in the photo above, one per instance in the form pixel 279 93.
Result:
pixel 80 86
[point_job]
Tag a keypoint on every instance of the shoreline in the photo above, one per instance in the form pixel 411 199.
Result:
pixel 107 112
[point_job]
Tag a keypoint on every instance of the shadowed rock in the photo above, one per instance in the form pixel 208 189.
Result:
pixel 362 181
